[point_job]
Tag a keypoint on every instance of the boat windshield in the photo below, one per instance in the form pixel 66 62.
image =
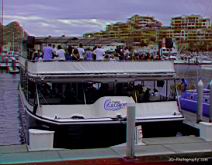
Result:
pixel 90 92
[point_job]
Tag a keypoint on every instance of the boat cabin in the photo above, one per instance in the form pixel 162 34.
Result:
pixel 86 83
pixel 90 99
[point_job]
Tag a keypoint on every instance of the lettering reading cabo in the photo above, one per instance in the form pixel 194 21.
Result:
pixel 110 105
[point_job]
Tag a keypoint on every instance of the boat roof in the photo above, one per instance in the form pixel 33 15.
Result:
pixel 91 70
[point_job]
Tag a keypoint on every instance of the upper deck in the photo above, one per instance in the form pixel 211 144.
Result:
pixel 99 70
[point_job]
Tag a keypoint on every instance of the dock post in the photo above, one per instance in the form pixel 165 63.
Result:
pixel 13 64
pixel 200 101
pixel 7 61
pixel 210 108
pixel 130 150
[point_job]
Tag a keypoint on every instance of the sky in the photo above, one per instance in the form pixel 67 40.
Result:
pixel 76 17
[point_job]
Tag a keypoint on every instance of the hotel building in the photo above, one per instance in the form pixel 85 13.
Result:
pixel 136 29
pixel 147 30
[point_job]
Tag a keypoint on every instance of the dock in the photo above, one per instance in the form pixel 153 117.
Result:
pixel 181 149
pixel 190 119
pixel 162 150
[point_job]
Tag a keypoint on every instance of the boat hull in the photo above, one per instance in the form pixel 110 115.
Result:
pixel 191 106
pixel 96 135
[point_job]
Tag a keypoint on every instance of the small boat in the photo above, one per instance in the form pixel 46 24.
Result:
pixel 188 101
pixel 10 61
pixel 13 70
pixel 193 59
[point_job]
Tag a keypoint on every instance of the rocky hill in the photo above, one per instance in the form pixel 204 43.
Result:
pixel 13 33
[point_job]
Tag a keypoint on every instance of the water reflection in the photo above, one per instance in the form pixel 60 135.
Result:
pixel 11 111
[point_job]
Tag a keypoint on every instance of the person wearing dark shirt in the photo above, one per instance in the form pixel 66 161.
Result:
pixel 48 53
pixel 184 85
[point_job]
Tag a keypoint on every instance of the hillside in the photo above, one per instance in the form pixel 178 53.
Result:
pixel 13 33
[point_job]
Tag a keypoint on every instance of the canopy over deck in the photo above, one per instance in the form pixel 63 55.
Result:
pixel 99 70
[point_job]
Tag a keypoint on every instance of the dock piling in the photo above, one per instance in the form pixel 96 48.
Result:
pixel 200 101
pixel 130 150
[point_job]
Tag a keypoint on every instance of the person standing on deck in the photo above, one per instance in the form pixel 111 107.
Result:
pixel 75 55
pixel 54 51
pixel 60 53
pixel 81 51
pixel 48 53
pixel 99 52
pixel 184 84
pixel 89 55
pixel 69 53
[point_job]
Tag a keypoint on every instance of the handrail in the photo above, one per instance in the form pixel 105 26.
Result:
pixel 136 97
pixel 37 106
pixel 43 98
pixel 37 96
pixel 85 101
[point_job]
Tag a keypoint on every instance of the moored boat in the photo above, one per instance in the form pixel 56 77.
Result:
pixel 85 103
pixel 188 101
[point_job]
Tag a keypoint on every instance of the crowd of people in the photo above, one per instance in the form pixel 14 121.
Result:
pixel 51 52
pixel 97 53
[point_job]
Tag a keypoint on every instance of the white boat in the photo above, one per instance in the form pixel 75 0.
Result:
pixel 194 59
pixel 85 103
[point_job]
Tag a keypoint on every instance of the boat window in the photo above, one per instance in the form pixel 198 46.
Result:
pixel 149 91
pixel 160 83
pixel 61 93
pixel 97 85
pixel 28 88
pixel 23 82
pixel 90 92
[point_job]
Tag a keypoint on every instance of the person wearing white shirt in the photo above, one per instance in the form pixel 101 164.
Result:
pixel 81 51
pixel 60 53
pixel 99 52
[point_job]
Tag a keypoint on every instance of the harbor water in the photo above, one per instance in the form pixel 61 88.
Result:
pixel 11 127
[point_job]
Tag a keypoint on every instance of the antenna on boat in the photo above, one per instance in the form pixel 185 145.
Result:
pixel 2 31
pixel 13 45
pixel 210 107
